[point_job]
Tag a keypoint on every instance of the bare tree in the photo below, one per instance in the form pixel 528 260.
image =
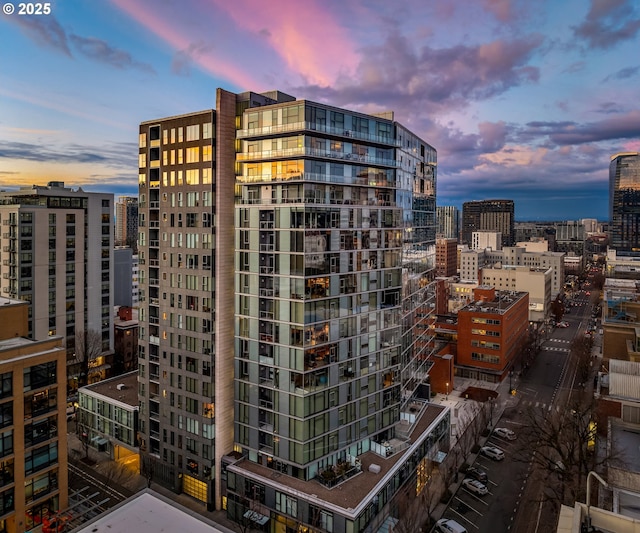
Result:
pixel 557 308
pixel 88 346
pixel 560 445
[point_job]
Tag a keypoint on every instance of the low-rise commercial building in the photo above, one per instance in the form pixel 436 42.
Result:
pixel 108 417
pixel 491 331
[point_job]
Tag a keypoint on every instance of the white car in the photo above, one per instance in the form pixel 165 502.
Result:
pixel 492 453
pixel 505 433
pixel 449 526
pixel 473 485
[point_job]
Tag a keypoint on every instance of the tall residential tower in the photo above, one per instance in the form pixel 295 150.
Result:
pixel 489 215
pixel 316 226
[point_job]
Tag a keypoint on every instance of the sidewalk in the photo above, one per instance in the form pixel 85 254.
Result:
pixel 460 405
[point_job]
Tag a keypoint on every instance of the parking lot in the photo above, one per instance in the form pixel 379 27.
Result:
pixel 486 512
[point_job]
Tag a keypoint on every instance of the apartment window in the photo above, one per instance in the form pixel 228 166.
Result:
pixel 193 132
pixel 206 153
pixel 206 130
pixel 193 154
pixel 286 504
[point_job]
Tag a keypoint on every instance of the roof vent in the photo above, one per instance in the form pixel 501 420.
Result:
pixel 120 386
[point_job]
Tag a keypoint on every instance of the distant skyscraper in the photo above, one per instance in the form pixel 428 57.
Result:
pixel 448 217
pixel 489 215
pixel 126 221
pixel 57 254
pixel 624 203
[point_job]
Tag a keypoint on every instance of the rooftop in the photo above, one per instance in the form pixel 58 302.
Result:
pixel 109 388
pixel 149 512
pixel 348 495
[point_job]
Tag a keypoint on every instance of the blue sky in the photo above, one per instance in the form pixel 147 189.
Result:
pixel 523 100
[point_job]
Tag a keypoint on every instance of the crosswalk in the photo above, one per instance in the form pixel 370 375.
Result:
pixel 547 346
pixel 538 405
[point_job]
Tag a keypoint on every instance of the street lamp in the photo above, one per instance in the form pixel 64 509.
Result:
pixel 510 381
pixel 447 395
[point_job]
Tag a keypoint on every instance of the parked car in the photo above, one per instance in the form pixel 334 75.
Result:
pixel 505 433
pixel 473 485
pixel 492 453
pixel 563 324
pixel 449 526
pixel 476 473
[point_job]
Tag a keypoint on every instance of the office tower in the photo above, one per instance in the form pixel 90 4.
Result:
pixel 624 203
pixel 333 248
pixel 57 254
pixel 446 257
pixel 33 468
pixel 570 237
pixel 489 215
pixel 448 217
pixel 126 221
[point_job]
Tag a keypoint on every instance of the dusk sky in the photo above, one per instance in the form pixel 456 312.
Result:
pixel 523 100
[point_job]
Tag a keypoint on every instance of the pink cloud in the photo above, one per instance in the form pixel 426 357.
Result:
pixel 166 31
pixel 632 146
pixel 304 34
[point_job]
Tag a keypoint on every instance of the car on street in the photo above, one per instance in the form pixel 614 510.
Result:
pixel 476 473
pixel 563 324
pixel 505 433
pixel 473 485
pixel 449 526
pixel 492 452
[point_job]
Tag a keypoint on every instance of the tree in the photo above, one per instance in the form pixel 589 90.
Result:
pixel 88 346
pixel 559 444
pixel 557 308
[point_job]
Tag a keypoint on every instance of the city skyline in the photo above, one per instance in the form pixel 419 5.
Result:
pixel 79 80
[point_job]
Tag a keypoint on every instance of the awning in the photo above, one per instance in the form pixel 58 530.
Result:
pixel 258 518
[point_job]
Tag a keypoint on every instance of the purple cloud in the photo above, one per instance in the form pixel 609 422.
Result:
pixel 397 75
pixel 623 126
pixel 623 74
pixel 608 23
pixel 99 50
pixel 44 31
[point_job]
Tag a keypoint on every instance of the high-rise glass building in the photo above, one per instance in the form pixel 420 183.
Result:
pixel 287 257
pixel 489 215
pixel 624 203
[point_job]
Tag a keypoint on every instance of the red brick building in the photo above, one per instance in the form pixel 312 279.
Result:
pixel 491 332
pixel 446 257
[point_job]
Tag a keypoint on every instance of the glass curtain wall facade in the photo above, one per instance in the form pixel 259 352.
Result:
pixel 624 203
pixel 335 249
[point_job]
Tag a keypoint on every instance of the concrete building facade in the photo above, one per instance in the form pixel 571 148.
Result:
pixel 33 425
pixel 57 254
pixel 448 217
